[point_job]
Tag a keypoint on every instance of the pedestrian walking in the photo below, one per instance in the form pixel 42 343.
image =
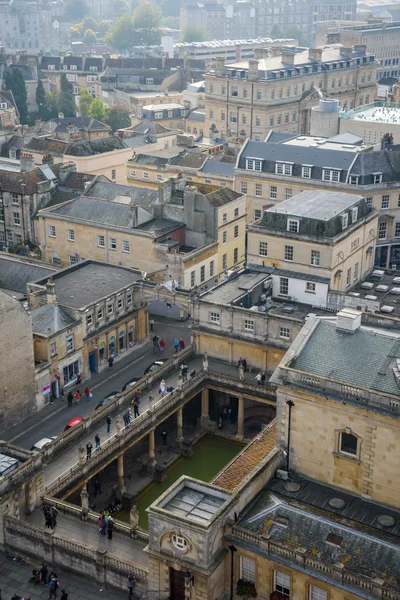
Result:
pixel 244 364
pixel 89 447
pixel 164 437
pixel 161 389
pixel 78 379
pixel 176 345
pixel 49 520
pixel 53 587
pixel 131 584
pixel 54 513
pixel 126 419
pixel 181 344
pixel 258 378
pixel 151 323
pixel 70 398
pixel 184 372
pixel 111 361
pixel 77 396
pixel 136 408
pixel 129 416
pixel 162 345
pixel 88 393
pixel 181 314
pixel 43 573
pixel 97 487
pixel 64 595
pixel 109 419
pixel 156 345
pixel 110 527
pixel 97 440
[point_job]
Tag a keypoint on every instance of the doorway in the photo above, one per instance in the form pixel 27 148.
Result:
pixel 177 584
pixel 92 362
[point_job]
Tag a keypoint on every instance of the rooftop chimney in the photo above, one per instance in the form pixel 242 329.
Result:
pixel 348 320
pixel 346 51
pixel 261 53
pixel 333 37
pixel 360 48
pixel 288 57
pixel 252 73
pixel 315 54
pixel 220 66
pixel 60 115
pixel 51 292
pixel 48 159
pixel 26 161
pixel 65 170
pixel 276 50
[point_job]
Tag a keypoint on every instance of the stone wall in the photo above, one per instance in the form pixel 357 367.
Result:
pixel 17 367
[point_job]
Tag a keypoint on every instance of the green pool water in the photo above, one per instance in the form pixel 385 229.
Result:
pixel 209 456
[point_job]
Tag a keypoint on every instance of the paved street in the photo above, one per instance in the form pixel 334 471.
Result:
pixel 52 419
pixel 14 579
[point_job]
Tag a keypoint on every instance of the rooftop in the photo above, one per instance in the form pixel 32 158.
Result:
pixel 364 359
pixel 17 271
pixel 247 460
pixel 89 281
pixel 165 106
pixel 194 500
pixel 306 520
pixel 63 124
pixel 110 191
pixel 316 204
pixel 380 291
pixel 95 146
pixel 379 112
pixel 48 319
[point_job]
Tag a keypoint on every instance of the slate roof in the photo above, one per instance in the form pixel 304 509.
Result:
pixel 315 204
pixel 110 191
pixel 95 147
pixel 192 160
pixel 81 123
pixel 16 142
pixel 16 272
pixel 158 158
pixel 386 161
pixel 198 115
pixel 77 181
pixel 11 181
pixel 149 127
pixel 96 211
pixel 248 459
pixel 363 359
pixel 222 196
pixel 8 97
pixel 87 282
pixel 293 524
pixel 48 319
pixel 278 137
pixel 50 60
pixel 216 167
pixel 47 145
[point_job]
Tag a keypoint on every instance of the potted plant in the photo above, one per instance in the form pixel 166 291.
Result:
pixel 246 589
pixel 277 596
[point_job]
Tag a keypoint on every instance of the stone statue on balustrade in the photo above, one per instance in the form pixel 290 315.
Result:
pixel 134 519
pixel 81 454
pixel 205 362
pixel 120 426
pixel 241 372
pixel 84 502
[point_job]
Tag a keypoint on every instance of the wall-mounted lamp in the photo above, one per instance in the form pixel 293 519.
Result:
pixel 189 578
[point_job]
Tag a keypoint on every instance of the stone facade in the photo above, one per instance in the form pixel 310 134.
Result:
pixel 17 368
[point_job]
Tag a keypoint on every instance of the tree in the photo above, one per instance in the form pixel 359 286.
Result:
pixel 120 7
pixel 296 33
pixel 41 100
pixel 117 117
pixel 52 105
pixel 76 9
pixel 90 36
pixel 85 101
pixel 147 20
pixel 276 33
pixel 89 23
pixel 122 35
pixel 67 104
pixel 103 26
pixel 96 110
pixel 193 33
pixel 14 81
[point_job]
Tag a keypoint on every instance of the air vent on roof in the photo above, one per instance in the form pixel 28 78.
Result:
pixel 302 137
pixel 387 309
pixel 371 297
pixel 386 520
pixel 288 308
pixel 320 143
pixel 348 146
pixel 348 320
pixel 396 280
pixel 395 290
pixel 377 274
pixel 281 521
pixel 367 285
pixel 291 486
pixel 336 540
pixel 336 502
pixel 355 294
pixel 382 288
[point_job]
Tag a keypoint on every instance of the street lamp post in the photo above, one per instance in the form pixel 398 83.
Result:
pixel 233 549
pixel 290 404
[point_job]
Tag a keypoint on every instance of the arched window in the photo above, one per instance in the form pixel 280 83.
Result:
pixel 348 443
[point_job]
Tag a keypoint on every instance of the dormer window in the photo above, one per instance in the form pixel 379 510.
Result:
pixel 93 69
pixel 377 177
pixel 158 115
pixel 354 214
pixel 330 175
pixel 306 171
pixel 293 225
pixel 74 68
pixel 253 164
pixel 353 180
pixel 283 168
pixel 52 67
pixel 65 67
pixel 345 220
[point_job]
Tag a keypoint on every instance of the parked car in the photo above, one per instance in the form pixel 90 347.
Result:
pixel 73 422
pixel 154 366
pixel 41 443
pixel 130 384
pixel 107 399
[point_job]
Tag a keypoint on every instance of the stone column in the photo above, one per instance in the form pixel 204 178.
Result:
pixel 152 454
pixel 179 415
pixel 240 429
pixel 121 484
pixel 205 417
